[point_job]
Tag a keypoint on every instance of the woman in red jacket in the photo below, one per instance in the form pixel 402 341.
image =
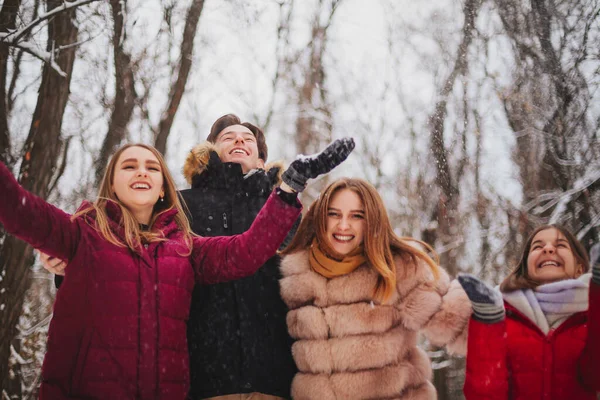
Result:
pixel 537 338
pixel 119 325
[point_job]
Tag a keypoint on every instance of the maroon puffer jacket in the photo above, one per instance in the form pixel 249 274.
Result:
pixel 515 360
pixel 119 324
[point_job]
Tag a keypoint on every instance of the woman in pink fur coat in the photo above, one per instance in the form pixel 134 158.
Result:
pixel 359 295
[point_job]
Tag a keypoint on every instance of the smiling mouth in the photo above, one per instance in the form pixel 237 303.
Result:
pixel 238 151
pixel 548 264
pixel 140 186
pixel 343 238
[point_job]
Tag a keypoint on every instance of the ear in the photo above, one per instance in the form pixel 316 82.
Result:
pixel 260 164
pixel 578 270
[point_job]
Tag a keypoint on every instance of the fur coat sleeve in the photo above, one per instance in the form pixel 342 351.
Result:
pixel 440 309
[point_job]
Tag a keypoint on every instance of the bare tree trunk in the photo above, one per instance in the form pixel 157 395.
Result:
pixel 184 67
pixel 313 125
pixel 448 185
pixel 41 151
pixel 125 95
pixel 8 17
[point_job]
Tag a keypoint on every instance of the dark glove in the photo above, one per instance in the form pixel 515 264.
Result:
pixel 595 262
pixel 488 306
pixel 309 167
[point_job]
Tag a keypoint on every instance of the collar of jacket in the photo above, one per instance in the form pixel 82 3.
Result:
pixel 204 168
pixel 514 313
pixel 165 221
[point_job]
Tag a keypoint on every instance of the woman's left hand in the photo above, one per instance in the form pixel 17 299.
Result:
pixel 309 167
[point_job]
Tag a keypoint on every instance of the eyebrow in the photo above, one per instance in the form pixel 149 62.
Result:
pixel 541 241
pixel 234 132
pixel 337 209
pixel 136 160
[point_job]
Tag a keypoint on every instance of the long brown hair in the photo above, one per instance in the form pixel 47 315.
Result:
pixel 134 236
pixel 519 277
pixel 380 242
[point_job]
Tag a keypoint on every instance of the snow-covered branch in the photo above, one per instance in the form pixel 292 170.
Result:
pixel 12 38
pixel 43 55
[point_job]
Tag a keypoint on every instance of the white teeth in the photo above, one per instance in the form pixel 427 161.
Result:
pixel 548 264
pixel 238 151
pixel 343 238
pixel 140 186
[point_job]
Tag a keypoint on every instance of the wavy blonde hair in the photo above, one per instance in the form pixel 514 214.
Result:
pixel 134 236
pixel 380 242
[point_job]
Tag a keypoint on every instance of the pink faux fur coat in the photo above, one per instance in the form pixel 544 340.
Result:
pixel 349 347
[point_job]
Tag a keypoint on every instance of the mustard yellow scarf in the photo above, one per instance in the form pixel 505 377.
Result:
pixel 330 267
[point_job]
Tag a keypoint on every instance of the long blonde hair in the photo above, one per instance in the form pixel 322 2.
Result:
pixel 134 236
pixel 380 241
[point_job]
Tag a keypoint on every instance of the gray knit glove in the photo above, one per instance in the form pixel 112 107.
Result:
pixel 309 167
pixel 488 306
pixel 595 262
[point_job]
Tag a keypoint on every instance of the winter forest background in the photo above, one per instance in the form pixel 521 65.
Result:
pixel 476 119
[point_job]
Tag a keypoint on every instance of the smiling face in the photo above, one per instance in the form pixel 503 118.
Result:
pixel 551 258
pixel 237 144
pixel 138 181
pixel 345 221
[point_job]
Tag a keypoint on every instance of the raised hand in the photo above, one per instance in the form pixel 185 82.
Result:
pixel 309 167
pixel 488 306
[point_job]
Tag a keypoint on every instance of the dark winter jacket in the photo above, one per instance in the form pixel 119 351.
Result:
pixel 237 334
pixel 119 324
pixel 515 360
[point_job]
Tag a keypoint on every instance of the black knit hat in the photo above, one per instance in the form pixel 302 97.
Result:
pixel 232 119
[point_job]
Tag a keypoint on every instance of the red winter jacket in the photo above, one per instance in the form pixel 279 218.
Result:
pixel 515 360
pixel 119 324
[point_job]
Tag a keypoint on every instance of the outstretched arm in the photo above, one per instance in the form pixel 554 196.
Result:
pixel 226 258
pixel 487 367
pixel 449 323
pixel 220 259
pixel 436 308
pixel 34 221
pixel 589 362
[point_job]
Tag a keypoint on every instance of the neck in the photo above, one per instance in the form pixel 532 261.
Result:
pixel 142 217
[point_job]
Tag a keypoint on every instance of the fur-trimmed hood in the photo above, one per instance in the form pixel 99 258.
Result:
pixel 205 153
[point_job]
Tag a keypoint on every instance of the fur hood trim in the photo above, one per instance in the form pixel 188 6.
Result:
pixel 198 158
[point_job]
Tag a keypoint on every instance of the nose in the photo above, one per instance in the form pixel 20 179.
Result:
pixel 142 172
pixel 549 248
pixel 344 223
pixel 239 139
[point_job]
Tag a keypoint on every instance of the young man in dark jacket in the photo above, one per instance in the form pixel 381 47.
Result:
pixel 237 333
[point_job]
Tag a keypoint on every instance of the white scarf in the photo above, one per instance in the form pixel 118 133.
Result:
pixel 551 304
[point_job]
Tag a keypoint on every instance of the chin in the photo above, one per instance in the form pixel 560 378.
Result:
pixel 549 278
